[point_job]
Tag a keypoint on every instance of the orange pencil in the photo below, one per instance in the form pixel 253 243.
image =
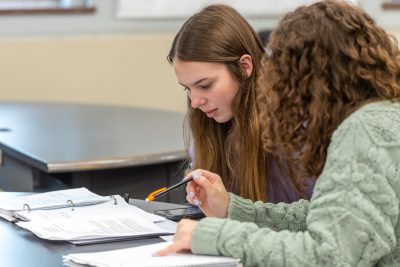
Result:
pixel 164 190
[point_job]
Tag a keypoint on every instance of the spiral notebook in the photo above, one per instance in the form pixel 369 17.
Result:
pixel 143 257
pixel 81 217
pixel 50 200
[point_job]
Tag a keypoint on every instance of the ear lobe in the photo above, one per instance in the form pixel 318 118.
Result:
pixel 246 64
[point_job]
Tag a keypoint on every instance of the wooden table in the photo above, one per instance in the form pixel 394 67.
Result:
pixel 109 149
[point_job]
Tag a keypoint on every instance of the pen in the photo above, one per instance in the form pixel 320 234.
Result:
pixel 165 190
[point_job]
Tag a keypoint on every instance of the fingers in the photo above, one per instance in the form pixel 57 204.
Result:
pixel 200 177
pixel 174 247
pixel 200 172
pixel 182 238
pixel 191 187
pixel 191 192
pixel 196 198
pixel 201 186
pixel 201 196
pixel 190 198
pixel 212 177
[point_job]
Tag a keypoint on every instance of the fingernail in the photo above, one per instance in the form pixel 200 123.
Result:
pixel 196 175
pixel 196 202
pixel 191 194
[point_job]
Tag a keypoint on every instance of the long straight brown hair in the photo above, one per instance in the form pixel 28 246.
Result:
pixel 219 34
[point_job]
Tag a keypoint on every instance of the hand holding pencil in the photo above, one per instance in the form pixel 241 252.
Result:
pixel 204 189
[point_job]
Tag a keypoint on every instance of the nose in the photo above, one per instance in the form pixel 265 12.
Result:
pixel 197 99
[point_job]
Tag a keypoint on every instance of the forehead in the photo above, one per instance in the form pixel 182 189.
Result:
pixel 191 71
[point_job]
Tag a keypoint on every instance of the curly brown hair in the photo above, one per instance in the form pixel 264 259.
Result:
pixel 327 60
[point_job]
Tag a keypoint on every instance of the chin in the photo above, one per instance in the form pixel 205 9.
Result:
pixel 222 120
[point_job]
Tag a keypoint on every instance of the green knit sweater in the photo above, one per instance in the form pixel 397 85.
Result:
pixel 351 219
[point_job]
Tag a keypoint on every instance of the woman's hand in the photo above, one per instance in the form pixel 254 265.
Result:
pixel 182 238
pixel 207 191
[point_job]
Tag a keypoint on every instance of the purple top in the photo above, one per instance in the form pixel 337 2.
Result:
pixel 282 189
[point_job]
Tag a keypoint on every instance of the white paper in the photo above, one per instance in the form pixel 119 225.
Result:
pixel 50 199
pixel 80 216
pixel 144 256
pixel 111 224
pixel 92 211
pixel 167 237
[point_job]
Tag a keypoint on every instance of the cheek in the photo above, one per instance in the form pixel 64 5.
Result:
pixel 225 92
pixel 231 92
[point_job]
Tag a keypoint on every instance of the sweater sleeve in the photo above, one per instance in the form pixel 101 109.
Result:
pixel 281 216
pixel 352 215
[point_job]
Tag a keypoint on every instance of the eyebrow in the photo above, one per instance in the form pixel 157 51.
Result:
pixel 197 82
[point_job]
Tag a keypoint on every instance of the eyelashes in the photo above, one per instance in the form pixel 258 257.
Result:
pixel 205 87
pixel 202 87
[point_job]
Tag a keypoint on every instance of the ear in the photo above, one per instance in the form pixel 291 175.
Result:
pixel 246 64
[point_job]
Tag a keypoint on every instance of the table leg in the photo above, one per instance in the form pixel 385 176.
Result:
pixel 15 175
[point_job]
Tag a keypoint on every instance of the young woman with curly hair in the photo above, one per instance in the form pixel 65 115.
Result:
pixel 330 95
pixel 216 58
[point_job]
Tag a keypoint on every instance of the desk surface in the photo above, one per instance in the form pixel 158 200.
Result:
pixel 69 137
pixel 19 247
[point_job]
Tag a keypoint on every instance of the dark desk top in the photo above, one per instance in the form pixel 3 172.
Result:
pixel 72 137
pixel 19 247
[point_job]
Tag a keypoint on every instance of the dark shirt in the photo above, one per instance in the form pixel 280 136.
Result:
pixel 280 188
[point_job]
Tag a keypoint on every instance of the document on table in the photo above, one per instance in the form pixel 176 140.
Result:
pixel 143 256
pixel 99 210
pixel 49 201
pixel 104 225
pixel 82 217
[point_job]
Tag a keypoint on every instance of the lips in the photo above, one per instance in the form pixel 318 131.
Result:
pixel 211 113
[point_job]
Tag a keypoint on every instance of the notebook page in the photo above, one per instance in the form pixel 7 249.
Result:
pixel 111 224
pixel 49 199
pixel 143 257
pixel 87 211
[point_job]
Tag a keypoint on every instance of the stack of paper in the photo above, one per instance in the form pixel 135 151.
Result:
pixel 143 256
pixel 49 201
pixel 81 217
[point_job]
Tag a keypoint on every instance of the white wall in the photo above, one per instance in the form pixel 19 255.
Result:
pixel 100 59
pixel 118 69
pixel 388 19
pixel 104 21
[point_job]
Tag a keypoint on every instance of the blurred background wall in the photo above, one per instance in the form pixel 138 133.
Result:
pixel 101 59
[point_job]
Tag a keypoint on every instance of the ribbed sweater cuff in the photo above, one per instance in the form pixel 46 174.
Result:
pixel 205 236
pixel 240 209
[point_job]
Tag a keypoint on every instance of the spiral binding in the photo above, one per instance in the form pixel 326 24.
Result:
pixel 69 203
pixel 26 207
pixel 115 200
